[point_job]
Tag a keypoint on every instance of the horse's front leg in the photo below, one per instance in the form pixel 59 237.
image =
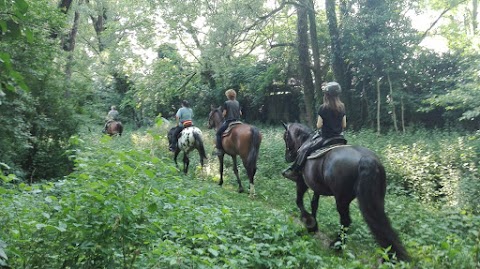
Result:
pixel 235 170
pixel 186 162
pixel 306 217
pixel 175 155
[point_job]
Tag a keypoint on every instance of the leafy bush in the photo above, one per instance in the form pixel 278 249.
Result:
pixel 127 206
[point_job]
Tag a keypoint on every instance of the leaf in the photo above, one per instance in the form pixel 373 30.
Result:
pixel 28 35
pixel 213 252
pixel 152 208
pixel 22 6
pixel 150 173
pixel 3 26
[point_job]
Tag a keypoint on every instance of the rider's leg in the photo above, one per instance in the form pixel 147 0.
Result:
pixel 218 143
pixel 294 171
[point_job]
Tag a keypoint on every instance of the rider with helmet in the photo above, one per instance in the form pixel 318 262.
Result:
pixel 331 121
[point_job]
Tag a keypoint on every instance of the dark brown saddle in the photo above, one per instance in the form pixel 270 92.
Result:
pixel 230 127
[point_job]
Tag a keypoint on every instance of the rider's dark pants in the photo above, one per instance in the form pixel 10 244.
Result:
pixel 220 131
pixel 305 150
pixel 176 133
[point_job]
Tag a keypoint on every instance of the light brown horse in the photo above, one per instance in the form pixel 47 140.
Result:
pixel 114 128
pixel 242 140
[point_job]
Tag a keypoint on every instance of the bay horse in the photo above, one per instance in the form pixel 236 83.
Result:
pixel 190 139
pixel 241 140
pixel 114 128
pixel 346 173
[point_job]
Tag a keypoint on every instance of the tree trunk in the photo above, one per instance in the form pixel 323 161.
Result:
pixel 69 45
pixel 317 70
pixel 474 16
pixel 99 26
pixel 392 104
pixel 403 114
pixel 304 60
pixel 378 106
pixel 339 64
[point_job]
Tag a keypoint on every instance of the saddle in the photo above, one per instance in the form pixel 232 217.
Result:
pixel 327 145
pixel 230 127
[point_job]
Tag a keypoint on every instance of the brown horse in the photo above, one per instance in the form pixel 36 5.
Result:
pixel 243 140
pixel 346 173
pixel 114 128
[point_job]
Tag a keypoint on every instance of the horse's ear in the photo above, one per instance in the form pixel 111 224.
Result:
pixel 285 125
pixel 219 108
pixel 212 107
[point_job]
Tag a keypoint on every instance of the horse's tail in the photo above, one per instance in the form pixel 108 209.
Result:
pixel 200 145
pixel 254 151
pixel 371 190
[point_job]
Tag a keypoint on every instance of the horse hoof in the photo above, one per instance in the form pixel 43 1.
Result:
pixel 337 245
pixel 240 190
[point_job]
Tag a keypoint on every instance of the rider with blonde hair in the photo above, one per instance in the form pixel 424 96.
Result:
pixel 231 112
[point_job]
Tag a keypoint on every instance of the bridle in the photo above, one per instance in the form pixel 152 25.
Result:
pixel 211 121
pixel 288 144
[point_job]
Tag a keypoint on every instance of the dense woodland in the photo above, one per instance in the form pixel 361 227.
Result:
pixel 409 70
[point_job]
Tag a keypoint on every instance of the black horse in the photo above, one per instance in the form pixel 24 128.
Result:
pixel 344 172
pixel 190 139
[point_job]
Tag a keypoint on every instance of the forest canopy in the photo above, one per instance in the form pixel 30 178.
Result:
pixel 63 63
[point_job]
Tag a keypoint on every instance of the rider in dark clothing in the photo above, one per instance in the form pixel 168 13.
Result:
pixel 231 112
pixel 331 120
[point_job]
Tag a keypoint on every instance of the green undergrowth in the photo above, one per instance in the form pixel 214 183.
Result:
pixel 128 206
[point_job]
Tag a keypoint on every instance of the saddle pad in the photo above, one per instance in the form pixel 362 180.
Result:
pixel 230 126
pixel 320 152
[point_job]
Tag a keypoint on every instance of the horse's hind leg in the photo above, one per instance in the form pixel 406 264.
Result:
pixel 343 208
pixel 235 170
pixel 314 206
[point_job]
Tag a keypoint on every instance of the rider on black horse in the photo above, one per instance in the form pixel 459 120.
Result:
pixel 331 120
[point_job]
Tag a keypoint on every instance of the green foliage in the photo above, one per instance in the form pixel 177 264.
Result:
pixel 126 206
pixel 430 165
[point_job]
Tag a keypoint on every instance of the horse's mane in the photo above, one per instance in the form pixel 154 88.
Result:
pixel 301 131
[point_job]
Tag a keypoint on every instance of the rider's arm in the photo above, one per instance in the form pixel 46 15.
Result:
pixel 344 122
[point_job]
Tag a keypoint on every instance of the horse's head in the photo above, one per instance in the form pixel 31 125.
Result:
pixel 215 117
pixel 170 135
pixel 295 135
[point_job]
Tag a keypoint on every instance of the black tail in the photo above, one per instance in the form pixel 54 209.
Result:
pixel 371 190
pixel 253 152
pixel 200 147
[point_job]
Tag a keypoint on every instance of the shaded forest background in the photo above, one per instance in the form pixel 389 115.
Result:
pixel 64 63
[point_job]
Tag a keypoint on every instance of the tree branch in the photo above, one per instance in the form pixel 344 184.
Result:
pixel 438 19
